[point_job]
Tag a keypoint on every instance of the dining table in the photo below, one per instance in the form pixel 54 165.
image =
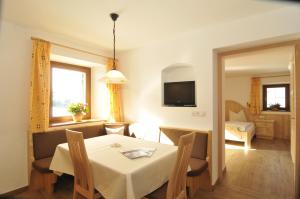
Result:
pixel 115 175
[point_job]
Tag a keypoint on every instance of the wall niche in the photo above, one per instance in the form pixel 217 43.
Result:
pixel 177 73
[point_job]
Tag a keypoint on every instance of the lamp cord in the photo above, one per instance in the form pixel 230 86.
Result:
pixel 114 32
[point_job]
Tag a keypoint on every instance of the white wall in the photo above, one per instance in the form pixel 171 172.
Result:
pixel 238 88
pixel 143 67
pixel 275 80
pixel 15 58
pixel 15 62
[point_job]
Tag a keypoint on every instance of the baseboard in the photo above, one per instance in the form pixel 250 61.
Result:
pixel 16 191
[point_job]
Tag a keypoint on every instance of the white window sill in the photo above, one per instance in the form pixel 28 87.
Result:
pixel 72 124
pixel 276 112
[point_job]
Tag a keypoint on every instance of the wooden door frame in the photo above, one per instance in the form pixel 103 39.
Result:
pixel 221 104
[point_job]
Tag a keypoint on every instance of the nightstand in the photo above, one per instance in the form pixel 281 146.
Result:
pixel 264 129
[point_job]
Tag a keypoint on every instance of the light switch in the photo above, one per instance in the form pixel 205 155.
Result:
pixel 195 113
pixel 198 113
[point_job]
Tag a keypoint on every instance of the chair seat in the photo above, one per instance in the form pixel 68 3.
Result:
pixel 159 193
pixel 42 165
pixel 197 167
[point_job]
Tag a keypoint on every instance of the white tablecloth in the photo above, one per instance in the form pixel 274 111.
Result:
pixel 116 176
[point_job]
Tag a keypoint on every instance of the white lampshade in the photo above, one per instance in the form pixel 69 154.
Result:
pixel 115 77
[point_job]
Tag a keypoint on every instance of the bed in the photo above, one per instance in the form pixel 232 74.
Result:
pixel 236 130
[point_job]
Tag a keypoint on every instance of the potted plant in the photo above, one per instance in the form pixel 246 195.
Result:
pixel 275 107
pixel 78 110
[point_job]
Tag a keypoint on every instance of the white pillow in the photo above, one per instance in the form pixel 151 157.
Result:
pixel 238 117
pixel 119 131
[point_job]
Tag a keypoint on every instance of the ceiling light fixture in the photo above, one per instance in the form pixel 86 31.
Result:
pixel 114 76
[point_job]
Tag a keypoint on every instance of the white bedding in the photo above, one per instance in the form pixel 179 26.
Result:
pixel 241 126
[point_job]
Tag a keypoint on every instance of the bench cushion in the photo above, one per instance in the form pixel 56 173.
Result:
pixel 42 165
pixel 200 146
pixel 197 166
pixel 44 143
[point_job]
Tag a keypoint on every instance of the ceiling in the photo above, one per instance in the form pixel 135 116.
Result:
pixel 275 60
pixel 140 22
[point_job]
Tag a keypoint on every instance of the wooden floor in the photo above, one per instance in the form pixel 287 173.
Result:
pixel 265 172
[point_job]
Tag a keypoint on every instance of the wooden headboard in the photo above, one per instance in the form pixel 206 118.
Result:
pixel 237 107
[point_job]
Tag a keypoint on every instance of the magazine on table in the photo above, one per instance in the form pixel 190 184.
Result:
pixel 138 152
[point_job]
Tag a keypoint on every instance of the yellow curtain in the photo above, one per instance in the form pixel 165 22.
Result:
pixel 39 92
pixel 255 96
pixel 116 111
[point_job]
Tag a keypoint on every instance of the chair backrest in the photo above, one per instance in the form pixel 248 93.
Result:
pixel 83 176
pixel 177 181
pixel 200 146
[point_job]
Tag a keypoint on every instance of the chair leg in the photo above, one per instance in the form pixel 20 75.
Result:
pixel 202 182
pixel 191 192
pixel 49 180
pixel 36 180
pixel 75 194
pixel 192 185
pixel 91 196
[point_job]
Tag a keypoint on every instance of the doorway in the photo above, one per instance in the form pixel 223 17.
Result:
pixel 295 110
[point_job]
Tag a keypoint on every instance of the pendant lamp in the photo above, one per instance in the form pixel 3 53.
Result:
pixel 114 76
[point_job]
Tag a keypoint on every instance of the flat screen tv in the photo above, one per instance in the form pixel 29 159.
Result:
pixel 179 93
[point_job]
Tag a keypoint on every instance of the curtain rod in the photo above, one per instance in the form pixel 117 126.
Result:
pixel 272 76
pixel 76 49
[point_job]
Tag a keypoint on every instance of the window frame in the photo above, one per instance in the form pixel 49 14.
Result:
pixel 287 96
pixel 87 71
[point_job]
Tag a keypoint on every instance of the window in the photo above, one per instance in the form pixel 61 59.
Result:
pixel 69 83
pixel 276 94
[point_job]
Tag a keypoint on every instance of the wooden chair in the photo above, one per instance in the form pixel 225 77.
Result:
pixel 176 187
pixel 199 174
pixel 83 175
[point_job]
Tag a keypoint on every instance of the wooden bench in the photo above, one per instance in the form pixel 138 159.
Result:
pixel 44 145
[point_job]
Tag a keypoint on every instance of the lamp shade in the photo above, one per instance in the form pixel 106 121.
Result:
pixel 115 77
